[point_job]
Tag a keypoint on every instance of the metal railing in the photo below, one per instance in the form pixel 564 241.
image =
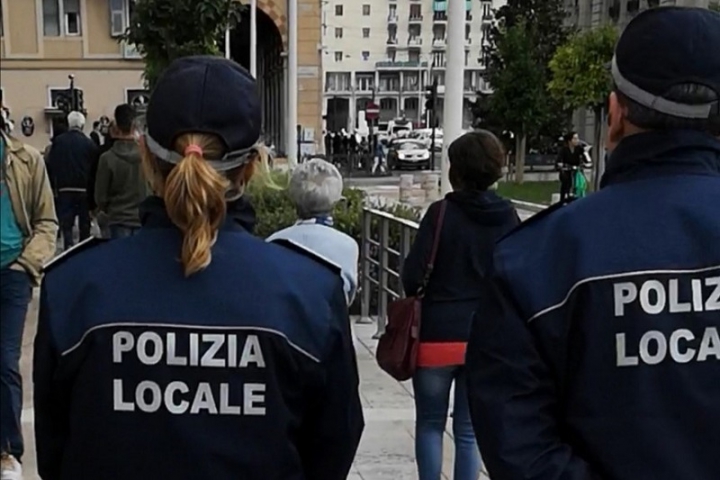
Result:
pixel 386 241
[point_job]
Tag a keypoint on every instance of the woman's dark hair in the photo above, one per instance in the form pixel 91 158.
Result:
pixel 476 160
pixel 567 138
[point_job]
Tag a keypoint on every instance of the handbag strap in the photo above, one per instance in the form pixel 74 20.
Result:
pixel 433 253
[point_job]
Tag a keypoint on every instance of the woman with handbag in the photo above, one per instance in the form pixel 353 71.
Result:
pixel 446 268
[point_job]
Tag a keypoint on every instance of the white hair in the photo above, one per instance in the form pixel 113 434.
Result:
pixel 315 187
pixel 76 120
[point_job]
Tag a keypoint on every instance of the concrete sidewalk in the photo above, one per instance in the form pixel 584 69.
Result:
pixel 387 448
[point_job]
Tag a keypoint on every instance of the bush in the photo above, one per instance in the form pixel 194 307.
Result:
pixel 275 211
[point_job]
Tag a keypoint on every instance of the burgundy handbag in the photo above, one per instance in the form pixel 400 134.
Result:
pixel 398 347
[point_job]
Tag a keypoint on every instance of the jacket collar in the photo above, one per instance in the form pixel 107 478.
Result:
pixel 240 215
pixel 663 153
pixel 11 143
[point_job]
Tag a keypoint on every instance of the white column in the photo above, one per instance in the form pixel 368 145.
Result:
pixel 253 38
pixel 292 84
pixel 227 43
pixel 452 111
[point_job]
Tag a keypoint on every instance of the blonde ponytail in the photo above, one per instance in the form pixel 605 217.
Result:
pixel 194 197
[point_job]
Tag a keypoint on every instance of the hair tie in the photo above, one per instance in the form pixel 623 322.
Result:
pixel 193 149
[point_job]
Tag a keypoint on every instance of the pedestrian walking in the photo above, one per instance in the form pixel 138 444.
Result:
pixel 599 354
pixel 472 219
pixel 120 186
pixel 28 231
pixel 194 349
pixel 69 162
pixel 315 188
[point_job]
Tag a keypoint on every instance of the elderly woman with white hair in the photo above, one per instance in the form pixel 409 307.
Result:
pixel 315 188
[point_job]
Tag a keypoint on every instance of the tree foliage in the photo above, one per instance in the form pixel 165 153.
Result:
pixel 715 7
pixel 580 73
pixel 535 29
pixel 164 30
pixel 518 80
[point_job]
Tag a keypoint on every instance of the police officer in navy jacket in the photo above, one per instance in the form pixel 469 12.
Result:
pixel 599 357
pixel 194 350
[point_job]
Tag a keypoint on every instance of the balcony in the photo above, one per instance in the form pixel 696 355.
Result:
pixel 392 42
pixel 392 19
pixel 439 43
pixel 400 65
pixel 415 19
pixel 440 17
pixel 414 42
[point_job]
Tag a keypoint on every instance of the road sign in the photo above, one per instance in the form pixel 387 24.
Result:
pixel 372 111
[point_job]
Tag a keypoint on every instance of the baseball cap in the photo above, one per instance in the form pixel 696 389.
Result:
pixel 665 47
pixel 205 94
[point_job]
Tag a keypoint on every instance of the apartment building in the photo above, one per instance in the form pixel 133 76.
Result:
pixel 389 51
pixel 43 42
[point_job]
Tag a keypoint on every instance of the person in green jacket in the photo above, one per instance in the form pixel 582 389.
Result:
pixel 120 185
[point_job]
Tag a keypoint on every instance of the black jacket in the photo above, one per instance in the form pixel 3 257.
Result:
pixel 569 157
pixel 256 378
pixel 473 222
pixel 70 159
pixel 599 356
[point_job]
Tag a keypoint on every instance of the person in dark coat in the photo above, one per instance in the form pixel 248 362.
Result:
pixel 598 356
pixel 193 349
pixel 475 218
pixel 570 157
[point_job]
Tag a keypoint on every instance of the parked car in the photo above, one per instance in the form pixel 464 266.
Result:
pixel 410 153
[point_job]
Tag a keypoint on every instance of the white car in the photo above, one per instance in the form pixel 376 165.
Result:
pixel 409 153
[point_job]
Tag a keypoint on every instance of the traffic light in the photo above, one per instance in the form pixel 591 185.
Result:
pixel 431 97
pixel 79 100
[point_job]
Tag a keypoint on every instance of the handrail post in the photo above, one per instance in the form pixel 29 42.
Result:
pixel 404 250
pixel 384 242
pixel 365 267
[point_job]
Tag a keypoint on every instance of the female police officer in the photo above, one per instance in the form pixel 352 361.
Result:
pixel 194 350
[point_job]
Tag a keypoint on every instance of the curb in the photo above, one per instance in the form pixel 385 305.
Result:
pixel 531 207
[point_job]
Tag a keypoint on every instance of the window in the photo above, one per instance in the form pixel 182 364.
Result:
pixel 138 98
pixel 416 12
pixel 337 82
pixel 414 57
pixel 365 55
pixel 338 56
pixel 51 18
pixel 365 81
pixel 366 33
pixel 61 17
pixel 72 17
pixel 338 32
pixel 119 16
pixel 366 10
pixel 338 10
pixel 393 11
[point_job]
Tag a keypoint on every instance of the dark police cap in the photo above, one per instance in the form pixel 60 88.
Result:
pixel 666 47
pixel 203 94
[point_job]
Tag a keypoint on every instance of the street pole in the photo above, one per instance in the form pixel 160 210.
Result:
pixel 453 108
pixel 253 38
pixel 433 124
pixel 227 42
pixel 292 86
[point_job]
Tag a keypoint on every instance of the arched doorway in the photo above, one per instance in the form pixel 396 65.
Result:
pixel 338 114
pixel 270 71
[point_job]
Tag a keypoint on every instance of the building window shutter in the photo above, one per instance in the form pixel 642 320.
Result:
pixel 117 18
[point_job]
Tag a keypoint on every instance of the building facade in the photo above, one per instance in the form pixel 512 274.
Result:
pixel 44 42
pixel 389 51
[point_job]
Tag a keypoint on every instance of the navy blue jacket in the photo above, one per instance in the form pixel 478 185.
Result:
pixel 245 370
pixel 70 161
pixel 473 222
pixel 600 356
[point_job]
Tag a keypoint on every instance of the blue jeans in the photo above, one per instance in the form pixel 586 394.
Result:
pixel 120 231
pixel 432 398
pixel 15 295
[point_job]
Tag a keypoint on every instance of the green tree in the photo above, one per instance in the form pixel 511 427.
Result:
pixel 581 78
pixel 164 30
pixel 539 27
pixel 519 98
